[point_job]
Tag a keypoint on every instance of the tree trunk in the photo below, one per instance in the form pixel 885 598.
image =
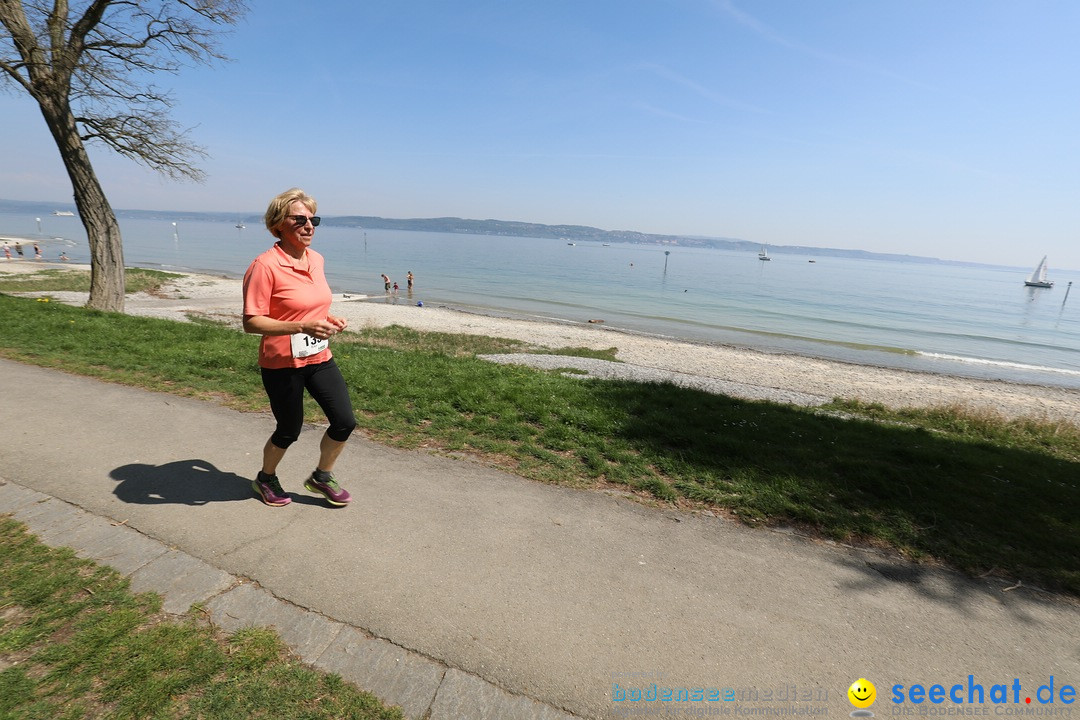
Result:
pixel 102 230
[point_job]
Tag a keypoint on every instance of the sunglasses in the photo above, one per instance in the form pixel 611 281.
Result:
pixel 301 220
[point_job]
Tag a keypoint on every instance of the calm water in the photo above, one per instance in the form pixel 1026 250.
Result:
pixel 973 321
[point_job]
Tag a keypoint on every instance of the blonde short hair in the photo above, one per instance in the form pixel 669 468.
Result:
pixel 279 207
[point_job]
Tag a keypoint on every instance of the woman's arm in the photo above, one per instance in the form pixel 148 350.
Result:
pixel 263 325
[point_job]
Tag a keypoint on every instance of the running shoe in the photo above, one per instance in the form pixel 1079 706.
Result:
pixel 329 488
pixel 269 489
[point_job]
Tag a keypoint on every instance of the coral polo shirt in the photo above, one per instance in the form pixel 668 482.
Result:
pixel 275 287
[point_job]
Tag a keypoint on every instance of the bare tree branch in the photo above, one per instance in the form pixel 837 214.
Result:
pixel 89 65
pixel 101 59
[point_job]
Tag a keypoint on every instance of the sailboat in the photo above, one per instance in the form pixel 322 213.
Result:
pixel 764 254
pixel 1038 276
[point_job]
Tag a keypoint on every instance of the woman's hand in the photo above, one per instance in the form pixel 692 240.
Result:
pixel 339 322
pixel 320 329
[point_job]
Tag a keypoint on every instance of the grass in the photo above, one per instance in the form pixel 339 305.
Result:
pixel 977 492
pixel 76 643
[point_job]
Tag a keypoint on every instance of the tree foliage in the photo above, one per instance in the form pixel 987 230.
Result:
pixel 91 66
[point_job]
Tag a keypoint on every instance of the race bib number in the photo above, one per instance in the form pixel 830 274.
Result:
pixel 303 345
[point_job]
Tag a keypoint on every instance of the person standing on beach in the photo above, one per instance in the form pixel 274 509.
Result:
pixel 7 251
pixel 386 283
pixel 19 250
pixel 408 280
pixel 287 301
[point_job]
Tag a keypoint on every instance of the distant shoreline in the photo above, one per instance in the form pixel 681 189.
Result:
pixel 218 296
pixel 513 228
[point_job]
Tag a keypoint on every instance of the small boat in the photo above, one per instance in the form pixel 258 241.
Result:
pixel 1038 276
pixel 764 254
pixel 63 213
pixel 240 226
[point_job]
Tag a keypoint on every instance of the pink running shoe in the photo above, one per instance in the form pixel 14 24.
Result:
pixel 334 493
pixel 269 489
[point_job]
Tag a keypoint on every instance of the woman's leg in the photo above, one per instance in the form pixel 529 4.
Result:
pixel 285 390
pixel 272 455
pixel 329 449
pixel 328 388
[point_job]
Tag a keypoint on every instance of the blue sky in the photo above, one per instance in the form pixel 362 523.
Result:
pixel 949 129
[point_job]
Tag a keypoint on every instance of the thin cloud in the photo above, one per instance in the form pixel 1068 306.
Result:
pixel 754 24
pixel 699 89
pixel 771 35
pixel 666 113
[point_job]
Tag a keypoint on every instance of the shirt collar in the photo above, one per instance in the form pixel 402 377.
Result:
pixel 287 260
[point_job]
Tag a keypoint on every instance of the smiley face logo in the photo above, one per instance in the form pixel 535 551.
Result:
pixel 862 693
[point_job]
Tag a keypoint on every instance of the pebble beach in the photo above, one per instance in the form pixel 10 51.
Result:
pixel 717 368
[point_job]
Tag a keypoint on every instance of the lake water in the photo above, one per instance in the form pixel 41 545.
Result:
pixel 974 321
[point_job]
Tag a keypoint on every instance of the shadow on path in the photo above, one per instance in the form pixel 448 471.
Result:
pixel 185 482
pixel 948 587
pixel 188 482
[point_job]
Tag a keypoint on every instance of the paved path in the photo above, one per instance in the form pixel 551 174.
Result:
pixel 458 591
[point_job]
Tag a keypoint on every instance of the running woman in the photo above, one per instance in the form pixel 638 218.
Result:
pixel 287 301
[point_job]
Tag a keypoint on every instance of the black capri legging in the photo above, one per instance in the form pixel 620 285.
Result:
pixel 285 388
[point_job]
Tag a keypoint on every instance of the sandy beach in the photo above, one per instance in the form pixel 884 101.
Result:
pixel 766 375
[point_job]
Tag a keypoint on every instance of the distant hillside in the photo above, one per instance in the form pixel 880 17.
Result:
pixel 509 228
pixel 513 228
pixel 578 233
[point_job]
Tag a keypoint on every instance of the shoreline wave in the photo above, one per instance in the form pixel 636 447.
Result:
pixel 999 363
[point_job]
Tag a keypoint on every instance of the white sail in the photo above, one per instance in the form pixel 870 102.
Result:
pixel 1038 276
pixel 1039 273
